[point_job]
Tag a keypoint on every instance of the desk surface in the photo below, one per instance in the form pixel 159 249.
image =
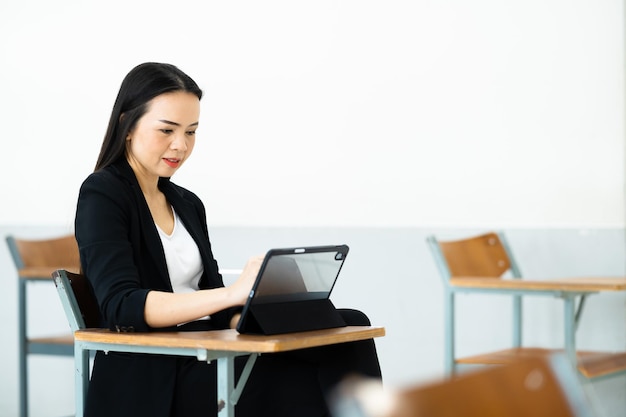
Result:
pixel 231 340
pixel 578 284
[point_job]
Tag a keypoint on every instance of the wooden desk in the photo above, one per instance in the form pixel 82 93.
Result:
pixel 575 285
pixel 590 364
pixel 220 345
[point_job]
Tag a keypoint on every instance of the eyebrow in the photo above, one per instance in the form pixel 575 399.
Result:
pixel 168 122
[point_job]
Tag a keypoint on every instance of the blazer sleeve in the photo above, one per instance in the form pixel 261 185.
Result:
pixel 103 224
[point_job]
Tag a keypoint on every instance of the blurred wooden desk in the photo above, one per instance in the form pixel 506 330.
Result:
pixel 220 345
pixel 590 364
pixel 555 285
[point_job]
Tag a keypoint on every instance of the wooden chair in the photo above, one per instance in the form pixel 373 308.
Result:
pixel 543 386
pixel 489 256
pixel 35 261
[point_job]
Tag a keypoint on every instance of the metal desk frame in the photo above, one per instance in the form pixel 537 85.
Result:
pixel 227 392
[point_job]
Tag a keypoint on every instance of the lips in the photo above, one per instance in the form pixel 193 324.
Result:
pixel 172 162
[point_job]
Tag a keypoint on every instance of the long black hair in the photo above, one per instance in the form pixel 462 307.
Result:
pixel 141 84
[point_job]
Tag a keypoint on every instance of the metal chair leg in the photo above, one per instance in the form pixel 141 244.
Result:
pixel 22 349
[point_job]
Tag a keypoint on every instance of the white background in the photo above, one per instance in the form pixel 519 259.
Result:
pixel 366 113
pixel 371 123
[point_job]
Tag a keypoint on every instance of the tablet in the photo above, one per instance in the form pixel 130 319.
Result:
pixel 292 291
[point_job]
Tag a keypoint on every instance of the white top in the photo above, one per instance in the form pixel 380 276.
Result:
pixel 182 257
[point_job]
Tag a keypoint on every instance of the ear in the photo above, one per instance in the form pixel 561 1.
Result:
pixel 120 120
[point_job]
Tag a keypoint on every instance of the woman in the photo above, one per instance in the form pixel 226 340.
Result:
pixel 144 246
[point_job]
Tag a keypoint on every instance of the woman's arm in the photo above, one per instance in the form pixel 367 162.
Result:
pixel 164 309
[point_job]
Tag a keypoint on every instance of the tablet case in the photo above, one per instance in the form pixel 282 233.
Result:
pixel 281 302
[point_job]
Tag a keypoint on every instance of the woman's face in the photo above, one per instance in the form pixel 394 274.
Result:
pixel 164 136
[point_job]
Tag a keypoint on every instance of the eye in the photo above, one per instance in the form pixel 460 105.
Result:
pixel 191 133
pixel 166 131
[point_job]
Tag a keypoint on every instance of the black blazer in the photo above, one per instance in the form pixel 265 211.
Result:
pixel 120 248
pixel 122 256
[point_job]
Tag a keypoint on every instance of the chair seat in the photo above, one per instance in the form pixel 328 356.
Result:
pixel 598 364
pixel 65 339
pixel 591 364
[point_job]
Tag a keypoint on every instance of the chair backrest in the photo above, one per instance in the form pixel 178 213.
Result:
pixel 79 302
pixel 61 252
pixel 541 386
pixel 486 255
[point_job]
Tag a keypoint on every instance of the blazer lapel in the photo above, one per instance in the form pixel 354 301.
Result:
pixel 194 225
pixel 150 237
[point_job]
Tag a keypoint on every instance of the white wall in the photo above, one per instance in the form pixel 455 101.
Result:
pixel 394 113
pixel 378 120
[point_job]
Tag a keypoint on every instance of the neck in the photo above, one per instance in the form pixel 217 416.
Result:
pixel 148 183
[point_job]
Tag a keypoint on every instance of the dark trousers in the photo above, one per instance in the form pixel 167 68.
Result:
pixel 298 383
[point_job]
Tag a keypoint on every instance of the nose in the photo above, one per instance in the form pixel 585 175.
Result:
pixel 179 143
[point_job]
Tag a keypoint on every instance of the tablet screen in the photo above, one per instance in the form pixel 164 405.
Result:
pixel 299 274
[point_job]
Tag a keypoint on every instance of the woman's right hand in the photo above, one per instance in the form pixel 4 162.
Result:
pixel 243 285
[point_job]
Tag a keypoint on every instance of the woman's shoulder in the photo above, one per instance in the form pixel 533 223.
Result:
pixel 109 180
pixel 101 176
pixel 113 174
